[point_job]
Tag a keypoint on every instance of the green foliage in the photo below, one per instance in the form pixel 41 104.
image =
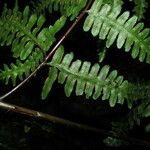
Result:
pixel 69 8
pixel 30 40
pixel 139 90
pixel 113 3
pixel 21 70
pixel 108 24
pixel 140 8
pixel 102 54
pixel 25 33
pixel 93 81
pixel 134 117
pixel 146 112
pixel 29 46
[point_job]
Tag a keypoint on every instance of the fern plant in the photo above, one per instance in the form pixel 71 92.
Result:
pixel 90 80
pixel 16 31
pixel 68 8
pixel 109 25
pixel 31 39
pixel 140 8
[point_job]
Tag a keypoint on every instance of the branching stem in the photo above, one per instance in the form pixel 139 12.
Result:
pixel 51 52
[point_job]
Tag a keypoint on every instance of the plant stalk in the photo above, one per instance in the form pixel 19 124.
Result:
pixel 71 124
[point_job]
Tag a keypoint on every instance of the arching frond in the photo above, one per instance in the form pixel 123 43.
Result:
pixel 69 8
pixel 30 46
pixel 93 80
pixel 140 8
pixel 108 24
pixel 25 32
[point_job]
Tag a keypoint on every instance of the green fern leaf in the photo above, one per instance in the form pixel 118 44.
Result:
pixel 107 24
pixel 113 3
pixel 25 32
pixel 93 80
pixel 139 90
pixel 23 43
pixel 19 69
pixel 68 8
pixel 102 54
pixel 140 8
pixel 52 76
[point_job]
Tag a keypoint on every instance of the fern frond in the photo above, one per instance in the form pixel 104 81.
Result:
pixel 25 32
pixel 139 91
pixel 69 8
pixel 113 3
pixel 140 8
pixel 21 70
pixel 93 80
pixel 45 38
pixel 108 24
pixel 133 118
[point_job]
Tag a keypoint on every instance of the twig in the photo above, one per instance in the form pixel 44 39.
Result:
pixel 67 123
pixel 51 53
